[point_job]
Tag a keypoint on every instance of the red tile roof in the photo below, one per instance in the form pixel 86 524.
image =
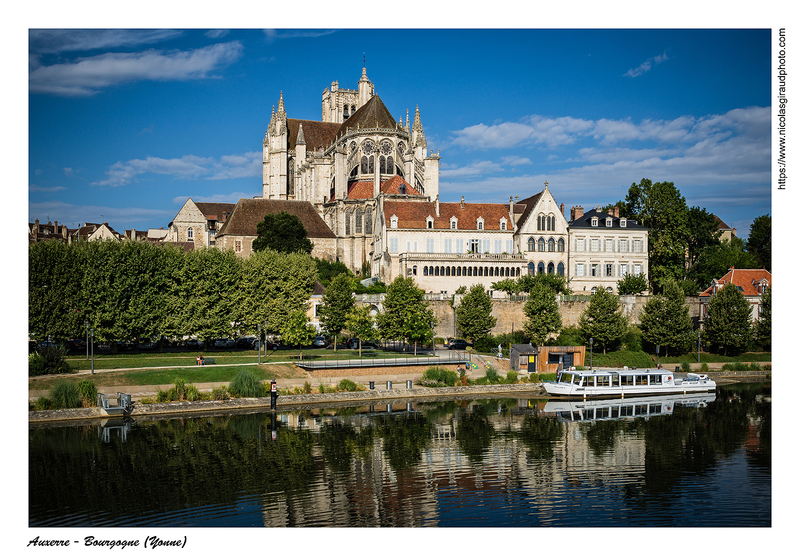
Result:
pixel 746 279
pixel 244 219
pixel 414 214
pixel 394 186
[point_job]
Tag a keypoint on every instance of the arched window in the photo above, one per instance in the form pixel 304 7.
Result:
pixel 551 245
pixel 541 244
pixel 531 269
pixel 368 222
pixel 359 220
pixel 561 245
pixel 531 244
pixel 551 223
pixel 540 223
pixel 447 271
pixel 383 164
pixel 436 271
pixel 561 269
pixel 424 270
pixel 347 217
pixel 458 271
pixel 190 234
pixel 491 271
pixel 389 164
pixel 364 164
pixel 540 268
pixel 551 268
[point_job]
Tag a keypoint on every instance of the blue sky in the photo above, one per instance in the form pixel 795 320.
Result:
pixel 125 125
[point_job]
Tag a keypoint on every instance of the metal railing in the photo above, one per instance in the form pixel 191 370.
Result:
pixel 453 357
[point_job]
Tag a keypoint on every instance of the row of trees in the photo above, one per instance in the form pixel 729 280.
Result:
pixel 131 290
pixel 684 243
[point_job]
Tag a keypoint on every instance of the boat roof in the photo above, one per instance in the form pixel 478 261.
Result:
pixel 585 372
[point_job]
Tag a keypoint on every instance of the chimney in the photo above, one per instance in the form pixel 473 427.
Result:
pixel 562 209
pixel 511 207
pixel 36 226
pixel 616 211
pixel 437 205
pixel 576 212
pixel 462 201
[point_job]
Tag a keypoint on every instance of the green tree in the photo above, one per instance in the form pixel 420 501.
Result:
pixel 337 303
pixel 665 320
pixel 632 284
pixel 296 331
pixel 764 324
pixel 55 304
pixel 273 285
pixel 727 324
pixel 543 315
pixel 474 314
pixel 716 260
pixel 759 242
pixel 406 313
pixel 703 232
pixel 603 320
pixel 327 270
pixel 282 232
pixel 361 324
pixel 661 208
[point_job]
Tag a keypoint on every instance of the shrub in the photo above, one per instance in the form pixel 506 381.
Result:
pixel 704 368
pixel 246 385
pixel 48 361
pixel 686 367
pixel 220 393
pixel 511 377
pixel 180 390
pixel 192 393
pixel 147 400
pixel 306 388
pixel 491 375
pixel 165 395
pixel 64 395
pixel 347 385
pixel 88 393
pixel 436 376
pixel 42 403
pixel 321 388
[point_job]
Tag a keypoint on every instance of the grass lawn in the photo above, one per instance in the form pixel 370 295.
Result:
pixel 194 375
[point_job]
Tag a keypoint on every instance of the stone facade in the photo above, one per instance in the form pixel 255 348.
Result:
pixel 198 223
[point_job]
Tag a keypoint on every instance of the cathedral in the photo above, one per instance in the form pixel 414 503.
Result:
pixel 343 163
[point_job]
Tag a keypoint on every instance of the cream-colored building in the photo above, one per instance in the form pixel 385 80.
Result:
pixel 603 247
pixel 543 234
pixel 198 223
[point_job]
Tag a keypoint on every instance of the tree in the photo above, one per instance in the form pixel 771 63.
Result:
pixel 474 314
pixel 603 320
pixel 544 317
pixel 55 305
pixel 337 303
pixel 715 260
pixel 703 232
pixel 661 208
pixel 665 320
pixel 296 331
pixel 764 324
pixel 631 284
pixel 759 243
pixel 406 314
pixel 273 285
pixel 282 232
pixel 361 324
pixel 727 324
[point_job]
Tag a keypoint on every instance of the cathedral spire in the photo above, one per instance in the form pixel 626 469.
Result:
pixel 301 140
pixel 417 134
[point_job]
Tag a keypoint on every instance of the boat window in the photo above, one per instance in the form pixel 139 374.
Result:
pixel 655 408
pixel 614 412
pixel 626 411
pixel 588 381
pixel 615 380
pixel 627 380
pixel 566 377
pixel 655 379
pixel 640 409
pixel 641 380
pixel 602 412
pixel 603 381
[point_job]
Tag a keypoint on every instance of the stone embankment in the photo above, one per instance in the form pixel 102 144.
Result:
pixel 298 401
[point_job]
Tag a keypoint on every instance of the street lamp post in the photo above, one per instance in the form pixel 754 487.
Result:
pixel 657 346
pixel 698 346
pixel 91 336
pixel 86 324
pixel 591 353
pixel 259 344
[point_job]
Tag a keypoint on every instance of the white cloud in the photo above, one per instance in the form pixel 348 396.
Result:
pixel 646 65
pixel 272 35
pixel 87 76
pixel 186 167
pixel 54 41
pixel 39 189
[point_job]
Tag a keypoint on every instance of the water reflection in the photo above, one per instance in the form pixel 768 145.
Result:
pixel 516 462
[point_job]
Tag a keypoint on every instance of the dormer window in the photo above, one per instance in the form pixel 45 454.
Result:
pixel 429 222
pixel 608 222
pixel 393 221
pixel 454 223
pixel 623 223
pixel 480 223
pixel 594 221
pixel 503 224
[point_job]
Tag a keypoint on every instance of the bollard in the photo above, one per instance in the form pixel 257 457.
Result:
pixel 273 396
pixel 388 384
pixel 408 384
pixel 372 385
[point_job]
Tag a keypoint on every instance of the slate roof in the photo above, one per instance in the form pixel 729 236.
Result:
pixel 363 189
pixel 316 134
pixel 373 114
pixel 585 221
pixel 746 278
pixel 414 214
pixel 249 212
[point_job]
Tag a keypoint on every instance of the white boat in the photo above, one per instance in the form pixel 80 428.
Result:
pixel 626 382
pixel 622 408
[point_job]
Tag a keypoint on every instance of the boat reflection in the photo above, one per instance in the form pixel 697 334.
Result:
pixel 596 410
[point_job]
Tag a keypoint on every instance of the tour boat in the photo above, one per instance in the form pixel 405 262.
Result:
pixel 626 382
pixel 622 408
